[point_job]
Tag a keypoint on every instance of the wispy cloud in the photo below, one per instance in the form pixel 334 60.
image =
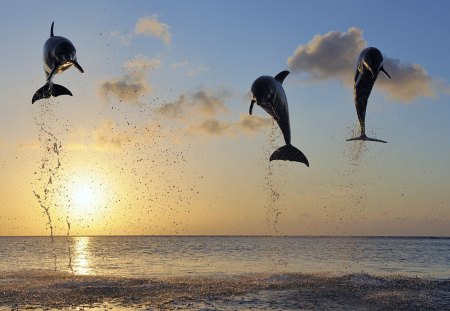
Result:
pixel 179 65
pixel 333 56
pixel 197 70
pixel 154 28
pixel 246 125
pixel 199 113
pixel 146 26
pixel 133 84
pixel 204 102
pixel 107 137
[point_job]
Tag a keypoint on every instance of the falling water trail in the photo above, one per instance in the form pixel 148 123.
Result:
pixel 47 186
pixel 272 211
pixel 354 190
pixel 69 265
pixel 272 189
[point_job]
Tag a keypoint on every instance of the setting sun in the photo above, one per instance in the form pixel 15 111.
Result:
pixel 86 196
pixel 83 196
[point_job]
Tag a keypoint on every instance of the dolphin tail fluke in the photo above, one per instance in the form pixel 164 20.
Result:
pixel 289 153
pixel 58 90
pixel 364 137
pixel 48 90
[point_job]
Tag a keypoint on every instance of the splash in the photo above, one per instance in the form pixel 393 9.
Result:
pixel 270 186
pixel 50 166
pixel 163 192
pixel 286 291
pixel 355 149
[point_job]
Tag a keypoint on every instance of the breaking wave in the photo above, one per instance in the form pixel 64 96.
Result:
pixel 36 289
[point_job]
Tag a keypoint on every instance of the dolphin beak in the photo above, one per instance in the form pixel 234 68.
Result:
pixel 251 106
pixel 385 72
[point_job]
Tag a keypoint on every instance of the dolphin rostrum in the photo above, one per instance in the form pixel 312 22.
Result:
pixel 370 63
pixel 268 93
pixel 59 55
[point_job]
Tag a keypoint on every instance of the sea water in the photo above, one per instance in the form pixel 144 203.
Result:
pixel 225 273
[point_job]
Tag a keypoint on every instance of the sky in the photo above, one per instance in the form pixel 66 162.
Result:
pixel 157 139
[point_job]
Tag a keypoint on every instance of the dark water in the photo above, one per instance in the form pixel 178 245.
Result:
pixel 225 273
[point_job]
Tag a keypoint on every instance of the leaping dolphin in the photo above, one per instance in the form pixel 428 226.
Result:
pixel 59 55
pixel 370 63
pixel 268 93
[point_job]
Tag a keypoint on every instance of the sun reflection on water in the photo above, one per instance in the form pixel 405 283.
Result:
pixel 81 256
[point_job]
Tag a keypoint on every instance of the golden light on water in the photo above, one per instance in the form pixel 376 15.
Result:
pixel 81 256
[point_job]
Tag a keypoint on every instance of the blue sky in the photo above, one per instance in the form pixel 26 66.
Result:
pixel 217 49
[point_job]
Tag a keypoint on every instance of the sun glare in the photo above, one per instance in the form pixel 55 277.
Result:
pixel 86 196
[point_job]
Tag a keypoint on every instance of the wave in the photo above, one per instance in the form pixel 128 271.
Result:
pixel 48 289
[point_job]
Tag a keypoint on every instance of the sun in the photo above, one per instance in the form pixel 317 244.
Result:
pixel 83 196
pixel 86 195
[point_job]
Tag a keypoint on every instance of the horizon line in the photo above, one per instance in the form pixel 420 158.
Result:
pixel 229 235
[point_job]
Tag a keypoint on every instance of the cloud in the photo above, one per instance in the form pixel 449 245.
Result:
pixel 246 125
pixel 204 102
pixel 198 70
pixel 124 39
pixel 328 56
pixel 252 124
pixel 409 81
pixel 107 137
pixel 199 113
pixel 179 65
pixel 334 54
pixel 133 84
pixel 153 28
pixel 210 126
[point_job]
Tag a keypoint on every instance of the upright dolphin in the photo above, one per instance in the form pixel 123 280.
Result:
pixel 268 93
pixel 369 65
pixel 59 55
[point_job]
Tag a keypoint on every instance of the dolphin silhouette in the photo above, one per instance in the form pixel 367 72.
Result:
pixel 59 55
pixel 268 93
pixel 369 65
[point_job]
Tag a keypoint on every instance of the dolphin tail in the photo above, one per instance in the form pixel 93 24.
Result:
pixel 50 89
pixel 364 137
pixel 289 153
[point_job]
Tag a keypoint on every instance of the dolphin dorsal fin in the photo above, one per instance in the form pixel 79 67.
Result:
pixel 51 30
pixel 281 76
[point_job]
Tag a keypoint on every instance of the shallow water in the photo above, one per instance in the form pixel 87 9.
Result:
pixel 225 273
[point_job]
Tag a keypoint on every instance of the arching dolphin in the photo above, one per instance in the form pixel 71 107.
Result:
pixel 268 93
pixel 369 65
pixel 59 55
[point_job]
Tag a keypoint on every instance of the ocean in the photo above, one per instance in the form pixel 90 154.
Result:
pixel 224 273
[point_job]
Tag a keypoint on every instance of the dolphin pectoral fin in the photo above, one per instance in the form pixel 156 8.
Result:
pixel 58 90
pixel 358 79
pixel 251 106
pixel 275 115
pixel 364 137
pixel 51 74
pixel 75 63
pixel 289 153
pixel 385 72
pixel 43 92
pixel 356 75
pixel 281 76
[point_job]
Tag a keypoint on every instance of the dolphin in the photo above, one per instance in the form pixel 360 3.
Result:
pixel 59 55
pixel 268 93
pixel 369 65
